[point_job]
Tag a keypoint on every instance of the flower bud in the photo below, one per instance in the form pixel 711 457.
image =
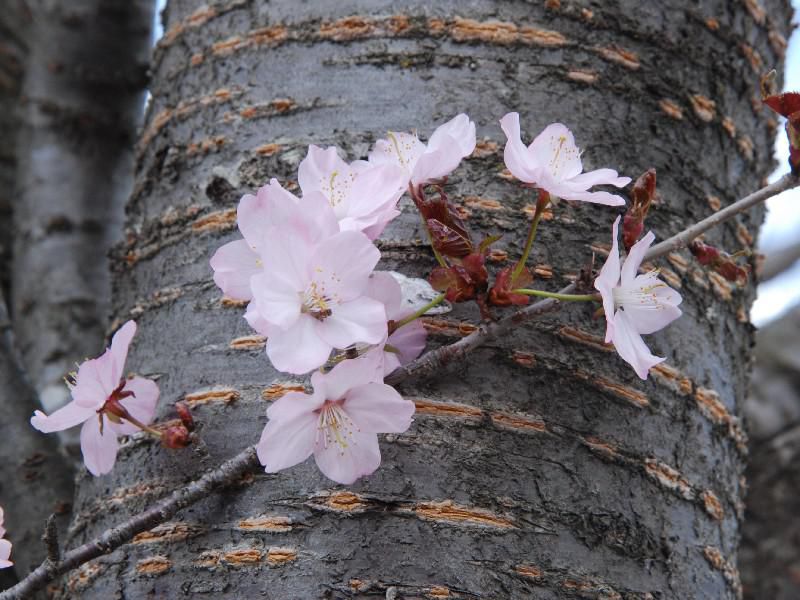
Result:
pixel 720 261
pixel 185 415
pixel 176 437
pixel 642 194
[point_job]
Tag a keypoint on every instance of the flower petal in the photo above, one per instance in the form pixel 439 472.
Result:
pixel 555 151
pixel 608 279
pixel 633 261
pixel 516 156
pixel 567 193
pixel 293 404
pixel 340 266
pixel 631 347
pixel 99 450
pixel 5 553
pixel 402 149
pixel 359 321
pixel 651 316
pixel 378 408
pixel 586 180
pixel 65 417
pixel 141 406
pixel 233 265
pixel 436 163
pixel 360 457
pixel 409 340
pixel 385 289
pixel 287 442
pixel 298 349
pixel 459 131
pixel 321 168
pixel 346 375
pixel 374 192
pixel 119 353
pixel 277 301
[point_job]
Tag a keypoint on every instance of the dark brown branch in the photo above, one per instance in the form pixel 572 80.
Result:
pixel 226 474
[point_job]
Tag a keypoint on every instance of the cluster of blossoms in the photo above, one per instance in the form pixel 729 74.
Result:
pixel 306 268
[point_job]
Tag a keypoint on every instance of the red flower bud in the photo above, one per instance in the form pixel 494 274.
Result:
pixel 185 415
pixel 176 437
pixel 719 261
pixel 642 194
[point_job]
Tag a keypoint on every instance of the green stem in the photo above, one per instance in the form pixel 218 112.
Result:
pixel 135 422
pixel 537 216
pixel 416 315
pixel 555 296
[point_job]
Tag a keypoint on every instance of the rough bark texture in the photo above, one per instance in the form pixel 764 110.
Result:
pixel 82 100
pixel 771 534
pixel 14 24
pixel 542 467
pixel 35 479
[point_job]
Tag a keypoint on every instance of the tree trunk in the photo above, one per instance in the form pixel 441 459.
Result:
pixel 82 101
pixel 541 467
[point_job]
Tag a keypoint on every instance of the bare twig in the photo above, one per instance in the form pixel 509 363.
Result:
pixel 50 539
pixel 430 362
pixel 226 474
pixel 682 239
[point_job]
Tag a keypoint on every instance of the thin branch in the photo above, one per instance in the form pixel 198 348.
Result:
pixel 226 474
pixel 682 239
pixel 430 362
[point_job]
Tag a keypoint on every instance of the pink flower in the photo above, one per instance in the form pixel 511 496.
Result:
pixel 634 304
pixel 312 300
pixel 102 400
pixel 553 163
pixel 5 546
pixel 236 262
pixel 425 163
pixel 363 196
pixel 406 343
pixel 338 423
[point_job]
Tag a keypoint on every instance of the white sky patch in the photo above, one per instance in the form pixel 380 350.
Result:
pixel 782 225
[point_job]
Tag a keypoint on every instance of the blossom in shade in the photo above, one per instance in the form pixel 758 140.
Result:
pixel 272 206
pixel 311 300
pixel 634 304
pixel 105 403
pixel 424 163
pixel 5 545
pixel 363 196
pixel 553 163
pixel 405 343
pixel 338 423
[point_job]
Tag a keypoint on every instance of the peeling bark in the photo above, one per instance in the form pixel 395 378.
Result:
pixel 541 467
pixel 82 97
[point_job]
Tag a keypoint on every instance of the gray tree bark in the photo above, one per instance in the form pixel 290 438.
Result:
pixel 542 467
pixel 82 100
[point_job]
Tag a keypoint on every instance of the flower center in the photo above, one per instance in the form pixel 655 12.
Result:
pixel 642 297
pixel 316 303
pixel 335 426
pixel 337 188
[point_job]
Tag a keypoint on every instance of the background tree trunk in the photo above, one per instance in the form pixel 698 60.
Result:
pixel 82 101
pixel 541 467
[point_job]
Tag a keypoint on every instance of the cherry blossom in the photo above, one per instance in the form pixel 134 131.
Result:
pixel 405 343
pixel 338 423
pixel 272 206
pixel 553 163
pixel 5 545
pixel 311 300
pixel 363 196
pixel 424 163
pixel 634 304
pixel 107 404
